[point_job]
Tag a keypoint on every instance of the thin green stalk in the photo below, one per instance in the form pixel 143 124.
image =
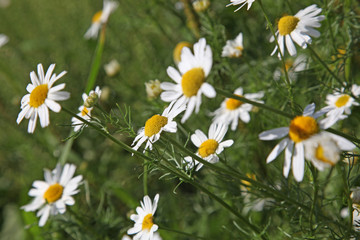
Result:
pixel 315 196
pixel 145 178
pixel 192 236
pixel 347 194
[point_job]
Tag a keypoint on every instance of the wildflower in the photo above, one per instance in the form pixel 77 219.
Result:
pixel 233 48
pixel 232 109
pixel 201 5
pixel 42 96
pixel 100 18
pixel 242 2
pixel 93 97
pixel 112 68
pixel 297 28
pixel 194 69
pixel 293 68
pixel 156 124
pixel 178 49
pixel 153 89
pixel 84 113
pixel 52 195
pixel 144 227
pixel 338 105
pixel 3 39
pixel 209 147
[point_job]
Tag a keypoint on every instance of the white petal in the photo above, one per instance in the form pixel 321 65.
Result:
pixel 208 90
pixel 288 157
pixel 274 133
pixel 277 150
pixel 298 164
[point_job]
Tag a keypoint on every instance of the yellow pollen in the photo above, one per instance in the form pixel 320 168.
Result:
pixel 38 95
pixel 287 24
pixel 178 49
pixel 319 154
pixel 53 193
pixel 96 17
pixel 208 147
pixel 191 81
pixel 147 222
pixel 84 112
pixel 302 127
pixel 341 101
pixel 154 124
pixel 233 104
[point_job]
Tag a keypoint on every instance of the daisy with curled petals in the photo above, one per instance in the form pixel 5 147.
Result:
pixel 156 124
pixel 42 96
pixel 190 84
pixel 338 105
pixel 209 147
pixel 301 128
pixel 100 18
pixel 52 195
pixel 144 227
pixel 233 48
pixel 298 28
pixel 242 2
pixel 232 109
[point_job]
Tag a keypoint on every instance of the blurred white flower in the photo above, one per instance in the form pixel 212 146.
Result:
pixel 3 39
pixel 233 48
pixel 293 67
pixel 112 68
pixel 242 2
pixel 153 89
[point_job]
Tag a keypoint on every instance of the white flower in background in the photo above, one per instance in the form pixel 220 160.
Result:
pixel 112 68
pixel 201 5
pixel 3 39
pixel 42 96
pixel 293 67
pixel 233 48
pixel 194 69
pixel 52 195
pixel 297 28
pixel 209 147
pixel 339 105
pixel 144 227
pixel 232 109
pixel 156 124
pixel 100 18
pixel 242 2
pixel 153 89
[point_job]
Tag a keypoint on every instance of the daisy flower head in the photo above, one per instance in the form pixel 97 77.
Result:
pixel 144 227
pixel 52 195
pixel 233 48
pixel 293 67
pixel 42 96
pixel 232 109
pixel 156 124
pixel 339 105
pixel 209 147
pixel 298 28
pixel 100 18
pixel 3 39
pixel 242 2
pixel 191 81
pixel 84 113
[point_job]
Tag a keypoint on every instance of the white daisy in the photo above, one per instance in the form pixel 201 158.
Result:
pixel 42 96
pixel 156 236
pixel 156 124
pixel 100 18
pixel 194 69
pixel 144 227
pixel 297 28
pixel 301 128
pixel 3 39
pixel 233 48
pixel 242 2
pixel 209 147
pixel 232 109
pixel 52 195
pixel 339 105
pixel 293 67
pixel 84 113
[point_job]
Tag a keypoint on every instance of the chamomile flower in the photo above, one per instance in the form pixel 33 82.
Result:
pixel 298 28
pixel 194 69
pixel 339 105
pixel 84 113
pixel 100 18
pixel 301 128
pixel 209 147
pixel 144 227
pixel 232 109
pixel 242 2
pixel 293 67
pixel 52 195
pixel 233 48
pixel 3 39
pixel 42 96
pixel 156 124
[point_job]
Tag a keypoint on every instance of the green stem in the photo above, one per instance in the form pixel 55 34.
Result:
pixel 347 194
pixel 145 177
pixel 192 236
pixel 315 196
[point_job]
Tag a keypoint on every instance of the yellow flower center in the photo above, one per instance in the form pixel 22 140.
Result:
pixel 53 193
pixel 319 154
pixel 96 17
pixel 38 95
pixel 287 24
pixel 208 147
pixel 233 104
pixel 177 51
pixel 147 222
pixel 84 112
pixel 341 101
pixel 302 127
pixel 154 124
pixel 192 81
